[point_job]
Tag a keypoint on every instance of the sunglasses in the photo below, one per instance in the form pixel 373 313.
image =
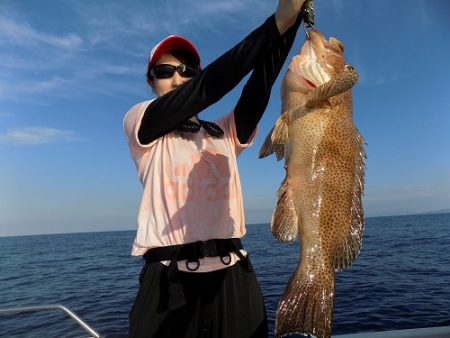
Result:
pixel 165 71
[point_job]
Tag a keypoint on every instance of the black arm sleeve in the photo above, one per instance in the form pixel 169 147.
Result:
pixel 165 113
pixel 256 93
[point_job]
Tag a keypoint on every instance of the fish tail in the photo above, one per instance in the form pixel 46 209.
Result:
pixel 306 306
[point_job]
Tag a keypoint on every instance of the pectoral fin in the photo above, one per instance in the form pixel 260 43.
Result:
pixel 343 82
pixel 267 147
pixel 280 136
pixel 284 219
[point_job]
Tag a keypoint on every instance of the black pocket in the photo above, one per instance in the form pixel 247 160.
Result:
pixel 246 264
pixel 142 274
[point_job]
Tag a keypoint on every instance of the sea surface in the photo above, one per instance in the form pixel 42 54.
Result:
pixel 400 280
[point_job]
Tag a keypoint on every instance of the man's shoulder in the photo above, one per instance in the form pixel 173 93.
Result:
pixel 136 111
pixel 139 106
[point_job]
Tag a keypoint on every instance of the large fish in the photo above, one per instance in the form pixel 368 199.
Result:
pixel 320 198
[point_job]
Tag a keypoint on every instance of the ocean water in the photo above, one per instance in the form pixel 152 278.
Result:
pixel 400 280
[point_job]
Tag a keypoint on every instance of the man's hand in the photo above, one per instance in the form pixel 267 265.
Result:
pixel 286 13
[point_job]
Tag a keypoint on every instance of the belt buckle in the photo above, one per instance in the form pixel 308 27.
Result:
pixel 209 248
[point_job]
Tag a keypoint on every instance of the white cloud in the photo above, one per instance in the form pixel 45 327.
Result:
pixel 210 8
pixel 374 79
pixel 111 69
pixel 5 114
pixel 338 7
pixel 54 86
pixel 425 16
pixel 46 85
pixel 111 23
pixel 23 34
pixel 379 80
pixel 37 136
pixel 104 46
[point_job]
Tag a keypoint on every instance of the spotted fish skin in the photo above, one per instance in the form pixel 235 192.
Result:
pixel 320 198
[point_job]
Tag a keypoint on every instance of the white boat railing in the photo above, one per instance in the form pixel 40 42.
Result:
pixel 68 312
pixel 428 332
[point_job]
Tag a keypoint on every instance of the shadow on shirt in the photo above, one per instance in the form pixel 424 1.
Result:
pixel 209 188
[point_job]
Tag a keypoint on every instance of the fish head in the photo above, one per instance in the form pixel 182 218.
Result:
pixel 318 62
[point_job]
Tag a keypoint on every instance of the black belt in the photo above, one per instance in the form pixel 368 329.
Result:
pixel 192 252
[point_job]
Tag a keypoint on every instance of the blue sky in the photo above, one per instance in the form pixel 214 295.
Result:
pixel 70 69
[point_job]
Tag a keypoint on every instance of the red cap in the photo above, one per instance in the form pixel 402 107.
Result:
pixel 172 42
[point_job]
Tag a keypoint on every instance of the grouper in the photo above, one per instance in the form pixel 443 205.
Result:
pixel 320 199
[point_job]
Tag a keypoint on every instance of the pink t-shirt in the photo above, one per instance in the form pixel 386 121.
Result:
pixel 191 187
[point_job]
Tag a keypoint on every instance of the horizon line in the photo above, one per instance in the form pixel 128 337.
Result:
pixel 437 212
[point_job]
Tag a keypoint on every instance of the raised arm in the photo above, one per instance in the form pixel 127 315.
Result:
pixel 256 93
pixel 165 113
pixel 170 110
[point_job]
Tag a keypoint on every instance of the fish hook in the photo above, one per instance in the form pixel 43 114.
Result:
pixel 308 16
pixel 305 26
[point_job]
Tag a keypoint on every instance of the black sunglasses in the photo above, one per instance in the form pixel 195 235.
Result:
pixel 165 71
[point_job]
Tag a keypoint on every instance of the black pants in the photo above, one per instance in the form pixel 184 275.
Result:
pixel 226 303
